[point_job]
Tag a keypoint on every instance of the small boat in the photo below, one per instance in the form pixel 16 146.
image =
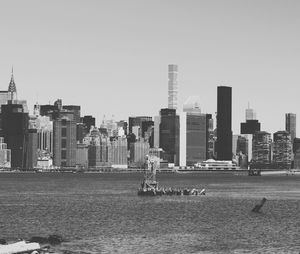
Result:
pixel 23 247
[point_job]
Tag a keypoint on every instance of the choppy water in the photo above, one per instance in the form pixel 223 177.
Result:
pixel 101 213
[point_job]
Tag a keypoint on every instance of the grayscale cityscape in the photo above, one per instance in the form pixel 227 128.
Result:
pixel 149 127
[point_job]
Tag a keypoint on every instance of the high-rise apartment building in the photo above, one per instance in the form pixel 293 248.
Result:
pixel 224 132
pixel 169 135
pixel 172 86
pixel 15 132
pixel 282 151
pixel 290 124
pixel 138 152
pixel 45 136
pixel 193 138
pixel 261 150
pixel 64 142
pixel 296 151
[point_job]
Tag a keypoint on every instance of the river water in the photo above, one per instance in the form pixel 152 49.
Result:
pixel 101 213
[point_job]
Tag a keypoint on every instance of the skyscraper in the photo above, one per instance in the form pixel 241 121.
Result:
pixel 169 135
pixel 290 124
pixel 282 154
pixel 224 132
pixel 15 132
pixel 64 142
pixel 172 86
pixel 261 150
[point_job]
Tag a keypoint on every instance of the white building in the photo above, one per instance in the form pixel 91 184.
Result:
pixel 172 86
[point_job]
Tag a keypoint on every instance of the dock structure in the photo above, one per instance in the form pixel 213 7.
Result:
pixel 149 186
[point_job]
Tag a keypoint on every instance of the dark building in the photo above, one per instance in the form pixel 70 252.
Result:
pixel 224 132
pixel 290 124
pixel 81 132
pixel 49 110
pixel 250 127
pixel 137 121
pixel 282 152
pixel 15 132
pixel 88 121
pixel 261 150
pixel 296 151
pixel 75 109
pixel 32 147
pixel 242 145
pixel 196 138
pixel 169 135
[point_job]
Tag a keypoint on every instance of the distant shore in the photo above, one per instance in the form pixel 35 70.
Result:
pixel 264 172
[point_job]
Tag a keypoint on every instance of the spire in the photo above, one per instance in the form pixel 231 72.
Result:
pixel 12 86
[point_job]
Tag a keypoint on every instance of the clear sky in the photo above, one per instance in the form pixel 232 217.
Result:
pixel 111 56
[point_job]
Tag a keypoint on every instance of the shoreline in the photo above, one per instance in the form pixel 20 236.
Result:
pixel 113 171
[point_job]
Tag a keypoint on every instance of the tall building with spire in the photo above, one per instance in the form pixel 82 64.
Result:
pixel 12 89
pixel 172 86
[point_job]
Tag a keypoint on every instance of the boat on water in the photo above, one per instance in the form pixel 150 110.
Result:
pixel 149 186
pixel 23 247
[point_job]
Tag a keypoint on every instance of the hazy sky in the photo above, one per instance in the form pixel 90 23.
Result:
pixel 111 57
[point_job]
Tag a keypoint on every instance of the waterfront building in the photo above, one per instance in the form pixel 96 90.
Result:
pixel 248 128
pixel 138 152
pixel 211 138
pixel 172 86
pixel 261 150
pixel 224 132
pixel 290 124
pixel 82 156
pixel 5 155
pixel 193 138
pixel 32 148
pixel 98 148
pixel 242 145
pixel 44 128
pixel 64 142
pixel 15 132
pixel 282 153
pixel 118 153
pixel 169 135
pixel 296 151
pixel 234 144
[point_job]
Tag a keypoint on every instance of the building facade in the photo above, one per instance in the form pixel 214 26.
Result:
pixel 15 131
pixel 261 150
pixel 5 155
pixel 172 86
pixel 64 142
pixel 224 132
pixel 290 125
pixel 283 147
pixel 169 135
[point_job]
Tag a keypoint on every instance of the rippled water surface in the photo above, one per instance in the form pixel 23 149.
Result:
pixel 101 213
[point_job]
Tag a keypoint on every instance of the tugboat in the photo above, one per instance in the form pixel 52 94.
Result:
pixel 149 186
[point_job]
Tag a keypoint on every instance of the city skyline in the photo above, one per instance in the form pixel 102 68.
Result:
pixel 97 60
